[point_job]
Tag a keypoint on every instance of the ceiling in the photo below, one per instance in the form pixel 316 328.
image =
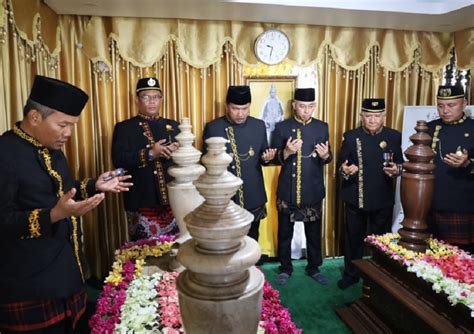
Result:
pixel 422 15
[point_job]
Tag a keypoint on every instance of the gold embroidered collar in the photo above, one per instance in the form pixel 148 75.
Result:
pixel 148 117
pixel 459 121
pixel 23 135
pixel 299 120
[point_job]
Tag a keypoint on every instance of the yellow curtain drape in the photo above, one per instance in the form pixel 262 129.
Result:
pixel 24 53
pixel 195 62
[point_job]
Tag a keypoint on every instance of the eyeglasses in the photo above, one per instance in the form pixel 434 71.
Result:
pixel 148 98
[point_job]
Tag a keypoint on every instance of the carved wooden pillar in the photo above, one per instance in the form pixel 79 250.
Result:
pixel 416 189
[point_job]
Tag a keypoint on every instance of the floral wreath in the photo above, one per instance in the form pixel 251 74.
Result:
pixel 449 269
pixel 132 302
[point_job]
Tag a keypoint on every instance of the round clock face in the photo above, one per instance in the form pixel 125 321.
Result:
pixel 272 47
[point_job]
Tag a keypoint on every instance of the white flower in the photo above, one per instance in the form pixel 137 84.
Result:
pixel 456 291
pixel 139 312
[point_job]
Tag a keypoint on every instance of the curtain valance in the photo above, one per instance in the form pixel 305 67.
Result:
pixel 464 41
pixel 143 41
pixel 36 23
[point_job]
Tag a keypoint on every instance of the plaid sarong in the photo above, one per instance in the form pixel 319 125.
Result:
pixel 34 315
pixel 454 228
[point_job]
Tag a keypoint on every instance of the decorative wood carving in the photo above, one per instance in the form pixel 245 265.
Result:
pixel 416 189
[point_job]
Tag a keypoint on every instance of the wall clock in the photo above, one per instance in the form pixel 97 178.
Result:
pixel 272 47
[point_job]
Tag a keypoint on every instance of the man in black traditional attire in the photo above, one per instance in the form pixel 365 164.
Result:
pixel 42 271
pixel 143 145
pixel 249 149
pixel 303 150
pixel 369 162
pixel 452 210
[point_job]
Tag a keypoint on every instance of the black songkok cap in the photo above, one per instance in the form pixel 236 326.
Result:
pixel 373 105
pixel 148 84
pixel 305 94
pixel 58 95
pixel 239 95
pixel 450 92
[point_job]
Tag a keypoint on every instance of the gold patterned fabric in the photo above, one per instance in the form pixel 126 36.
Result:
pixel 159 171
pixel 33 223
pixel 298 169
pixel 360 174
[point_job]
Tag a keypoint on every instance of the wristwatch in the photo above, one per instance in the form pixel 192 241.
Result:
pixel 151 157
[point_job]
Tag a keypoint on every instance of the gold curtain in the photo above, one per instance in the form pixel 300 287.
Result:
pixel 464 41
pixel 195 62
pixel 24 53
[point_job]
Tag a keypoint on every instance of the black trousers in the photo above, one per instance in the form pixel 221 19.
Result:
pixel 253 232
pixel 360 223
pixel 258 213
pixel 312 231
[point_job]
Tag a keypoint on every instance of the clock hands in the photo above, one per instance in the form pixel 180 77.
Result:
pixel 271 51
pixel 271 47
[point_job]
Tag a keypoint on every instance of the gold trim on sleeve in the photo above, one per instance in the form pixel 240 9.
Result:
pixel 83 187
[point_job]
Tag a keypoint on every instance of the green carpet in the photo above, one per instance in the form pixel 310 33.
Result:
pixel 312 306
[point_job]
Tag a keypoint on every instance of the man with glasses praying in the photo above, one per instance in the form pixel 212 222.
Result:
pixel 143 145
pixel 452 210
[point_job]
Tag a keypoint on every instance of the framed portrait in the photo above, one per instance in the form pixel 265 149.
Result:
pixel 271 102
pixel 271 99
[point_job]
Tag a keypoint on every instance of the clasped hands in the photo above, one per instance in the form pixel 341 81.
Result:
pixel 458 159
pixel 163 150
pixel 269 154
pixel 293 145
pixel 350 169
pixel 67 206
